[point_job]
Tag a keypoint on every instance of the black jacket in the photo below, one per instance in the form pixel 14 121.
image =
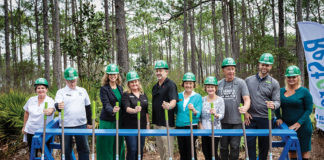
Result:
pixel 108 100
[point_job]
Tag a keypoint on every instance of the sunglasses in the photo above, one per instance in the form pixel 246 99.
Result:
pixel 292 77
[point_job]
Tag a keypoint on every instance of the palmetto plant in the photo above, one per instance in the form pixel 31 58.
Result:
pixel 11 114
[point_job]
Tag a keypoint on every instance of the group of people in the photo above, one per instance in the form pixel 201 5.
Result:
pixel 257 93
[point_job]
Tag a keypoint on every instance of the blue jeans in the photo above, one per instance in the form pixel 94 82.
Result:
pixel 131 143
pixel 258 123
pixel 81 143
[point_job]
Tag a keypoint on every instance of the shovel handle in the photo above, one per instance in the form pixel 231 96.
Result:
pixel 190 115
pixel 117 113
pixel 62 114
pixel 269 114
pixel 138 113
pixel 242 115
pixel 93 110
pixel 212 107
pixel 46 105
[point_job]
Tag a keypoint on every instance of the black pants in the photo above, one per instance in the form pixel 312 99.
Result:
pixel 207 147
pixel 184 144
pixel 230 145
pixel 258 123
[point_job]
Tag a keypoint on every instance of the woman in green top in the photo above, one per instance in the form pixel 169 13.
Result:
pixel 296 105
pixel 110 93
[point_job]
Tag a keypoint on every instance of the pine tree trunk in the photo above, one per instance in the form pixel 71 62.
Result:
pixel 200 70
pixel 7 44
pixel 185 37
pixel 299 46
pixel 57 54
pixel 274 23
pixel 113 35
pixel 107 31
pixel 192 40
pixel 319 11
pixel 46 42
pixel 30 44
pixel 149 47
pixel 38 43
pixel 122 44
pixel 13 39
pixel 307 11
pixel 232 25
pixel 170 46
pixel 66 32
pixel 224 13
pixel 220 58
pixel 281 42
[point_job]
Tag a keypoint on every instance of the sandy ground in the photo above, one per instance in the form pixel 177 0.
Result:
pixel 317 153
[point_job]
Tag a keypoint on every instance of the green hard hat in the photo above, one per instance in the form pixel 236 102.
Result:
pixel 189 77
pixel 211 81
pixel 70 74
pixel 41 81
pixel 292 71
pixel 228 62
pixel 112 69
pixel 131 76
pixel 266 58
pixel 161 64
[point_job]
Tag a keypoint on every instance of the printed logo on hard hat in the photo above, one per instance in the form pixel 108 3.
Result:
pixel 71 73
pixel 41 80
pixel 133 75
pixel 291 71
pixel 113 67
pixel 189 76
pixel 230 61
pixel 159 63
pixel 266 57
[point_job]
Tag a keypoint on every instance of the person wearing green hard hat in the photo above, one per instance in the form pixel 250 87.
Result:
pixel 296 107
pixel 234 92
pixel 188 100
pixel 210 85
pixel 77 113
pixel 35 111
pixel 265 94
pixel 110 93
pixel 134 101
pixel 164 96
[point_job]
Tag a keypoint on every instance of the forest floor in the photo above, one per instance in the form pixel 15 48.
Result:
pixel 317 152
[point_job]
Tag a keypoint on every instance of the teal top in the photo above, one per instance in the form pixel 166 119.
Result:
pixel 295 108
pixel 117 94
pixel 183 118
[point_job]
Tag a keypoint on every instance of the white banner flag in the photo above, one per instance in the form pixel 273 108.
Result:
pixel 312 35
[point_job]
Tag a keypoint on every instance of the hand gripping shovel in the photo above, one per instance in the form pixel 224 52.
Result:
pixel 244 134
pixel 139 132
pixel 93 129
pixel 44 133
pixel 213 132
pixel 117 135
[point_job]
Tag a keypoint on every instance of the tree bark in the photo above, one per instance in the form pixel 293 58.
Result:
pixel 185 37
pixel 192 41
pixel 224 13
pixel 13 39
pixel 66 32
pixel 19 32
pixel 281 42
pixel 307 11
pixel 108 31
pixel 318 11
pixel 200 70
pixel 122 44
pixel 113 34
pixel 46 42
pixel 30 44
pixel 149 47
pixel 220 58
pixel 7 44
pixel 170 46
pixel 232 23
pixel 299 46
pixel 274 22
pixel 57 54
pixel 38 43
